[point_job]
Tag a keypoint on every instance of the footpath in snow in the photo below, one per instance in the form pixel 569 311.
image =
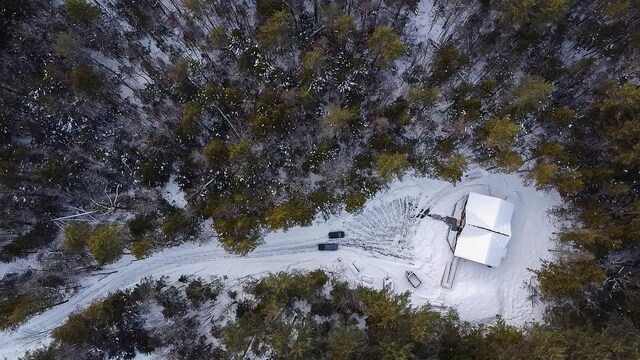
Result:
pixel 382 242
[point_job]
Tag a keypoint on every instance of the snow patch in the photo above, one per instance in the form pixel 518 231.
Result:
pixel 173 193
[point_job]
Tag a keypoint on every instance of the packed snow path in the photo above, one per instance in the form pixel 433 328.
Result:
pixel 383 241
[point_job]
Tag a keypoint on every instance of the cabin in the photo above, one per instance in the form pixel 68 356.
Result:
pixel 485 230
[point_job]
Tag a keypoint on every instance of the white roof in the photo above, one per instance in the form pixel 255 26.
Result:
pixel 487 230
pixel 480 245
pixel 489 213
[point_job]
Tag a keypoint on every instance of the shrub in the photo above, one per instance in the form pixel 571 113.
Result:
pixel 105 244
pixel 111 327
pixel 176 223
pixel 41 235
pixel 141 249
pixel 81 11
pixel 198 291
pixel 75 237
pixel 16 309
pixel 140 225
pixel 84 80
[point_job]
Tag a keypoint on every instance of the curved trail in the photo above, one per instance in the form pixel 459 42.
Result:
pixel 297 249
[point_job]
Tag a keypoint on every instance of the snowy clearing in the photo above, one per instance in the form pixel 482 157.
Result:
pixel 382 242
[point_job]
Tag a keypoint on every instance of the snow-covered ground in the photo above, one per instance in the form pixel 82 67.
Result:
pixel 383 241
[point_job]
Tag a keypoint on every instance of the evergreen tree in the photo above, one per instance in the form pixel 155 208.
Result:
pixel 191 120
pixel 447 61
pixel 176 223
pixel 566 279
pixel 288 214
pixel 270 117
pixel 422 97
pixel 531 95
pixel 141 249
pixel 105 244
pixel 522 13
pixel 341 118
pixel 277 31
pixel 500 134
pixel 217 154
pixel 81 11
pixel 239 151
pixel 343 27
pixel 111 328
pixel 452 168
pixel 389 165
pixel 84 80
pixel 76 236
pixel 385 46
pixel 544 174
pixel 508 161
pixel 595 241
pixel 67 47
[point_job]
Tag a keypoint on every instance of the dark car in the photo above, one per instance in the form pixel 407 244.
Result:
pixel 336 234
pixel 327 247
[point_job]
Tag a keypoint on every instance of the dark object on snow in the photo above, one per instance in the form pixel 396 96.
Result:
pixel 413 279
pixel 327 247
pixel 336 234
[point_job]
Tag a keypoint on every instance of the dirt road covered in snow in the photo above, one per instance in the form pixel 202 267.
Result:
pixel 384 241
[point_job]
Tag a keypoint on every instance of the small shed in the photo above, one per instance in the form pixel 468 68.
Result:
pixel 486 230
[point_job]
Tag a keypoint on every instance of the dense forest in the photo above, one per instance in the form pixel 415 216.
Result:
pixel 307 316
pixel 269 113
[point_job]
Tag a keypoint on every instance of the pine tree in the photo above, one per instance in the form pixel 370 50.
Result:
pixel 176 223
pixel 105 244
pixel 277 31
pixel 389 165
pixel 569 182
pixel 313 60
pixel 239 151
pixel 289 214
pixel 343 27
pixel 422 97
pixel 452 168
pixel 544 174
pixel 141 249
pixel 385 46
pixel 84 80
pixel 191 121
pixel 566 279
pixel 447 61
pixel 81 11
pixel 508 161
pixel 520 13
pixel 217 154
pixel 531 95
pixel 500 134
pixel 346 342
pixel 271 116
pixel 425 325
pixel 341 118
pixel 67 47
pixel 595 241
pixel 76 236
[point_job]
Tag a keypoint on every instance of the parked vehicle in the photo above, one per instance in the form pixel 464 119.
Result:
pixel 327 247
pixel 336 234
pixel 414 280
